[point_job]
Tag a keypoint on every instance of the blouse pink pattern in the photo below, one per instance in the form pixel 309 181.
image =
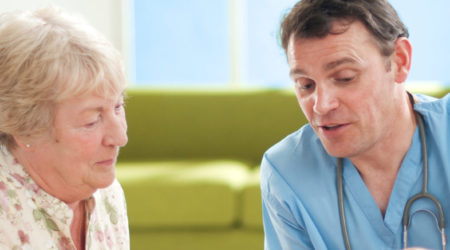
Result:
pixel 30 218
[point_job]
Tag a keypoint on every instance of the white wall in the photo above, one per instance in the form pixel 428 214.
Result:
pixel 107 16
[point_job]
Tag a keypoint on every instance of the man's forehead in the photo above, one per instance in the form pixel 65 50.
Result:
pixel 342 25
pixel 349 47
pixel 339 27
pixel 350 35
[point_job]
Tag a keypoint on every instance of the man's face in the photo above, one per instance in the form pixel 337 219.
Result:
pixel 345 88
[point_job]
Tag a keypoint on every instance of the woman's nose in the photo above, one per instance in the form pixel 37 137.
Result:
pixel 116 134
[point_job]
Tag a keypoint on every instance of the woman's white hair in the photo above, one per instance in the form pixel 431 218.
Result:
pixel 47 56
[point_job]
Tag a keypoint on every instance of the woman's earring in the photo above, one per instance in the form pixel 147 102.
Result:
pixel 28 145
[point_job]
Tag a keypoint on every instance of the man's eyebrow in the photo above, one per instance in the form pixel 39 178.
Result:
pixel 329 66
pixel 334 64
pixel 294 72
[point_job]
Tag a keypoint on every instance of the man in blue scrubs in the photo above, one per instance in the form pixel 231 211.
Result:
pixel 349 60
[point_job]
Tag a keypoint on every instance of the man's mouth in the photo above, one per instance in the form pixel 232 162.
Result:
pixel 331 127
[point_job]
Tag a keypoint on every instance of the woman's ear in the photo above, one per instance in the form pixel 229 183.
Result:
pixel 21 142
pixel 402 59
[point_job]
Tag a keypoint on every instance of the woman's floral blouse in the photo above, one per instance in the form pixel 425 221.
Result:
pixel 30 218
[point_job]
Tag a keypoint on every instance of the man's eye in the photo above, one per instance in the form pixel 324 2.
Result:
pixel 344 76
pixel 307 86
pixel 304 85
pixel 345 79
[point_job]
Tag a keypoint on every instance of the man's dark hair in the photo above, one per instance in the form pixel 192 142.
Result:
pixel 315 18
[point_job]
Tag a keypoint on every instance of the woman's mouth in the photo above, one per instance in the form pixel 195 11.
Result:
pixel 108 162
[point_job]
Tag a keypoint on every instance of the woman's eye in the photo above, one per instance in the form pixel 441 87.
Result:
pixel 119 107
pixel 91 124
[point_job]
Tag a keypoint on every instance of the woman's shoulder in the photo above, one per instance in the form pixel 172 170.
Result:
pixel 111 196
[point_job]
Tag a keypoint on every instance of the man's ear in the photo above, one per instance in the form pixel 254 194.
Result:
pixel 402 59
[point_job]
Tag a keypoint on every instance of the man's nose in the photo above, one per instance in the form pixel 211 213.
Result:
pixel 325 100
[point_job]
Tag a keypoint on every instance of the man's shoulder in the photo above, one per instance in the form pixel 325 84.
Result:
pixel 430 105
pixel 295 164
pixel 298 142
pixel 300 153
pixel 436 115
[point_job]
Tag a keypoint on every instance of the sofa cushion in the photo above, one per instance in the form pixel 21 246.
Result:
pixel 188 239
pixel 182 193
pixel 251 201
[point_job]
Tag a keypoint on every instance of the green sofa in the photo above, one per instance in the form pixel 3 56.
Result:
pixel 190 170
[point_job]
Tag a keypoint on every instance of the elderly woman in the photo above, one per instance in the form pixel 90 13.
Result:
pixel 62 123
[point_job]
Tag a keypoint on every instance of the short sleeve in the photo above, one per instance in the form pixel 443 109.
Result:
pixel 282 229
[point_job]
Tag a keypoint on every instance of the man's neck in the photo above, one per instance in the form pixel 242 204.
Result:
pixel 379 166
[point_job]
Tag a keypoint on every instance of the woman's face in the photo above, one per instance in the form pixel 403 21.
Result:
pixel 80 155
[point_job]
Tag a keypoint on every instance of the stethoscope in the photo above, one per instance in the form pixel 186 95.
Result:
pixel 424 194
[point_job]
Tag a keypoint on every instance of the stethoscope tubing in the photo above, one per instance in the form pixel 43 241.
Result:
pixel 423 194
pixel 341 205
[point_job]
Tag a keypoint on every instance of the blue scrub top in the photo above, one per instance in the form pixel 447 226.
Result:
pixel 300 201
